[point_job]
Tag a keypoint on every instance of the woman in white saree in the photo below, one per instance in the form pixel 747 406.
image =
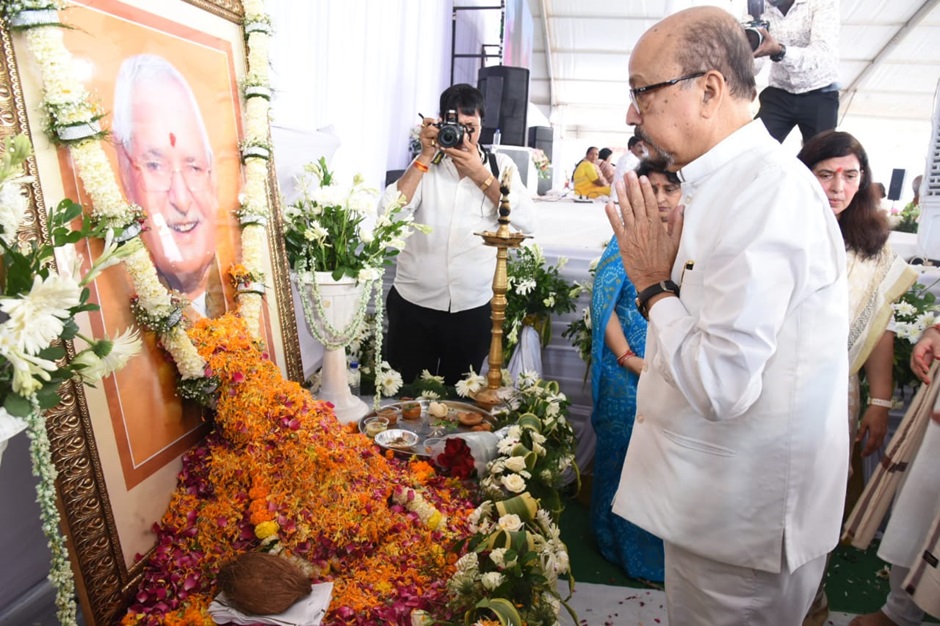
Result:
pixel 877 277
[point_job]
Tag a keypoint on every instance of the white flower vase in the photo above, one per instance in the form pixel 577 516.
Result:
pixel 340 300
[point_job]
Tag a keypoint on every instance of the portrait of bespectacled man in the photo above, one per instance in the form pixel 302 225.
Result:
pixel 169 95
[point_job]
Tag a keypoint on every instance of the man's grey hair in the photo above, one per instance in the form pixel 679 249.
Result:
pixel 141 69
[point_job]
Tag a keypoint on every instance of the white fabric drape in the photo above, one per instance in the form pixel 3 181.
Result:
pixel 365 68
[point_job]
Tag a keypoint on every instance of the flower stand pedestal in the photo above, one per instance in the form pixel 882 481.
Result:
pixel 334 322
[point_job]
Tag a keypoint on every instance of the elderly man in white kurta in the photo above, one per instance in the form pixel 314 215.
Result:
pixel 737 458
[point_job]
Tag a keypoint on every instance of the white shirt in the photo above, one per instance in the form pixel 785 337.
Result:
pixel 626 163
pixel 810 31
pixel 739 445
pixel 451 269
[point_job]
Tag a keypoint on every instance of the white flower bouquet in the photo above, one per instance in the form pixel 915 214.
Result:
pixel 39 304
pixel 913 313
pixel 335 228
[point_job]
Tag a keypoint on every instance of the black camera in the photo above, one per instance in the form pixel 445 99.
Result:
pixel 451 131
pixel 754 37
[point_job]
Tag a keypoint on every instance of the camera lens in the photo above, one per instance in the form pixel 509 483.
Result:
pixel 448 137
pixel 754 37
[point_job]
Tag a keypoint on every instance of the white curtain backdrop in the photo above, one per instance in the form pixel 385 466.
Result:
pixel 364 69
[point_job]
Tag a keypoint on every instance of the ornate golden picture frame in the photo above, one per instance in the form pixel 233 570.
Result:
pixel 117 447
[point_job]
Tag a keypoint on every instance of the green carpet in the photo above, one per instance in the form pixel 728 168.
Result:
pixel 856 583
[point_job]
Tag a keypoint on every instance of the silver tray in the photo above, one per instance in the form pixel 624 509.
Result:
pixel 426 427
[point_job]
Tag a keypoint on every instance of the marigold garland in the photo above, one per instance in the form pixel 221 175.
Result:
pixel 278 469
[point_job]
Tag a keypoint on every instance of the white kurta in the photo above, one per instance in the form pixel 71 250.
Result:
pixel 739 446
pixel 450 269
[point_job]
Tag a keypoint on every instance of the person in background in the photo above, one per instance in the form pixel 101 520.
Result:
pixel 802 43
pixel 588 180
pixel 913 207
pixel 916 510
pixel 636 152
pixel 737 455
pixel 877 278
pixel 439 304
pixel 915 187
pixel 604 165
pixel 618 337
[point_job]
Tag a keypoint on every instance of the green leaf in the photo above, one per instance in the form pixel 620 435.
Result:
pixel 48 396
pixel 52 353
pixel 67 211
pixel 503 609
pixel 69 330
pixel 17 406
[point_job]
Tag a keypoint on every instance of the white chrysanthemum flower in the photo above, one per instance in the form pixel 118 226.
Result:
pixel 38 317
pixel 562 262
pixel 539 449
pixel 363 201
pixel 506 445
pixel 428 376
pixel 492 580
pixel 513 483
pixel 471 384
pixel 924 320
pixel 330 195
pixel 905 309
pixel 122 348
pixel 430 395
pixel 389 379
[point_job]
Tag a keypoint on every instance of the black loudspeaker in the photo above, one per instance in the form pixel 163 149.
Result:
pixel 541 137
pixel 506 98
pixel 897 180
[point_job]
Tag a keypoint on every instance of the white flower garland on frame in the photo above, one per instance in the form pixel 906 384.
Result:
pixel 72 114
pixel 73 120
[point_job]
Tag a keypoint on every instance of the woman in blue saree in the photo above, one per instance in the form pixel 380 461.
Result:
pixel 617 347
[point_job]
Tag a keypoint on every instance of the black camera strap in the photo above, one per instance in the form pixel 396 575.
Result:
pixel 493 167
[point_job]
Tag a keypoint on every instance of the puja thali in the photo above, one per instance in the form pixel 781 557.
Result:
pixel 427 419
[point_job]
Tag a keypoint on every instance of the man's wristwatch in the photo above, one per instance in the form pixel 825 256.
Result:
pixel 643 298
pixel 776 58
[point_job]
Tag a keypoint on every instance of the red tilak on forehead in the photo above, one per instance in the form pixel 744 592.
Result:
pixel 172 140
pixel 839 170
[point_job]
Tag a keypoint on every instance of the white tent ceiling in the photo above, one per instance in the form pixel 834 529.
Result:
pixel 889 59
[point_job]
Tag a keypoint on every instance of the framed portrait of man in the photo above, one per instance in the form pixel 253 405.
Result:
pixel 166 78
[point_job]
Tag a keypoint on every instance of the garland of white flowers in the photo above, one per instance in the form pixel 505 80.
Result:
pixel 60 572
pixel 73 119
